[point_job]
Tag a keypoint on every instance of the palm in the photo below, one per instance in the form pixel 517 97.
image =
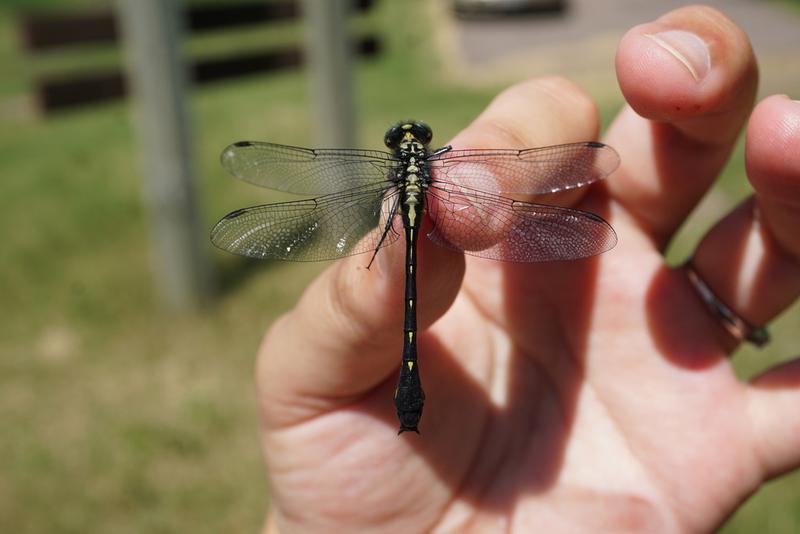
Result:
pixel 561 389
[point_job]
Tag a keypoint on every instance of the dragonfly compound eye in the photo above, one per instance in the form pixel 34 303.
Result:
pixel 422 132
pixel 393 137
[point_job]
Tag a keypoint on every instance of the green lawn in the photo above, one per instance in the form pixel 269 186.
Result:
pixel 119 415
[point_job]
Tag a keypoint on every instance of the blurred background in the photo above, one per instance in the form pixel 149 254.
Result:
pixel 129 406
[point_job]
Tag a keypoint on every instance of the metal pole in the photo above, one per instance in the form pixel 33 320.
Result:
pixel 329 60
pixel 157 78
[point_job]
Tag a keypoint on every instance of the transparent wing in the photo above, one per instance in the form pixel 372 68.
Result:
pixel 531 171
pixel 323 228
pixel 490 226
pixel 306 171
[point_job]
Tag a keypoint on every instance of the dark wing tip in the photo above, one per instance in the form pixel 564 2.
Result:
pixel 220 230
pixel 229 156
pixel 234 214
pixel 609 161
pixel 589 215
pixel 611 238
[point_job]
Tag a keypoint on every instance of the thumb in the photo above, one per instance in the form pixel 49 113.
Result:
pixel 345 335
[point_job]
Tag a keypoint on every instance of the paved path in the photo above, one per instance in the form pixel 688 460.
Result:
pixel 581 42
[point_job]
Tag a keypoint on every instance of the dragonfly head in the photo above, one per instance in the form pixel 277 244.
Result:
pixel 406 131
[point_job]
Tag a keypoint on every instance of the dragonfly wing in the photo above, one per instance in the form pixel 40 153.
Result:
pixel 323 228
pixel 532 171
pixel 306 171
pixel 498 228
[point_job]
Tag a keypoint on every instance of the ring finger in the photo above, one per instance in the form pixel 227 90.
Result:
pixel 751 258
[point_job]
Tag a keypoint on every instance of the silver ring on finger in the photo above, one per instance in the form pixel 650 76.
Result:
pixel 738 327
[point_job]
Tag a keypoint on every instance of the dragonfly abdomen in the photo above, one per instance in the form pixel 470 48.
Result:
pixel 409 396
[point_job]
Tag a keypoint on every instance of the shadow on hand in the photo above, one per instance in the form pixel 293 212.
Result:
pixel 491 451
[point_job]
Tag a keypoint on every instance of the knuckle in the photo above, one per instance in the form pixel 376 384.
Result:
pixel 571 98
pixel 540 111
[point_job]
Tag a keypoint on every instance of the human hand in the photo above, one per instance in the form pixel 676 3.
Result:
pixel 592 395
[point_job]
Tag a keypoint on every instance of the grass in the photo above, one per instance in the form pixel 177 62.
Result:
pixel 118 414
pixel 792 4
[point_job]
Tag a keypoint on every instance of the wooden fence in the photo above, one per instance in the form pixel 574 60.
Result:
pixel 43 33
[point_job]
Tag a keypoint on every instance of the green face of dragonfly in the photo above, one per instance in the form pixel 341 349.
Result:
pixel 407 131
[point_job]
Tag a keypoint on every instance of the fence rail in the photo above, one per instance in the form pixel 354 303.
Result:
pixel 59 91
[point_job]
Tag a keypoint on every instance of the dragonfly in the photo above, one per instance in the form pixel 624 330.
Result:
pixel 477 201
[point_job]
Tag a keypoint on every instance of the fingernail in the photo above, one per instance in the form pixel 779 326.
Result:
pixel 687 48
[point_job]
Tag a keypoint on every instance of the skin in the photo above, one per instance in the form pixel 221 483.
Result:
pixel 594 395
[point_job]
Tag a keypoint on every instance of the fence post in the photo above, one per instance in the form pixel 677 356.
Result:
pixel 329 59
pixel 151 30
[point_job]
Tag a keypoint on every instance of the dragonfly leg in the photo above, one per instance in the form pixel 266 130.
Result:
pixel 442 150
pixel 386 229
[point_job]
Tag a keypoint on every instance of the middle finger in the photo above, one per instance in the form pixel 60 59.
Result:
pixel 690 80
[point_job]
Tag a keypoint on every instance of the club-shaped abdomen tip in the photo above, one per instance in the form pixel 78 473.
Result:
pixel 409 403
pixel 409 421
